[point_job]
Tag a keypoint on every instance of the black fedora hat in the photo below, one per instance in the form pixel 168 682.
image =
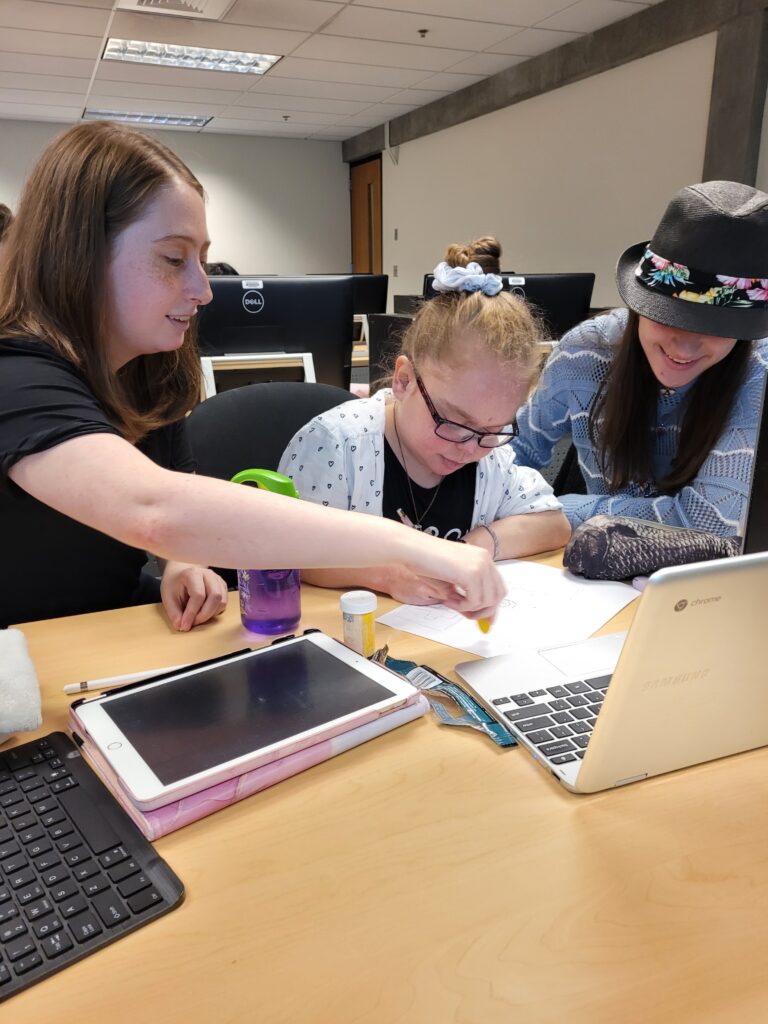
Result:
pixel 706 267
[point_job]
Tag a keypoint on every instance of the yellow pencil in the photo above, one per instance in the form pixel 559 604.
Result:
pixel 484 624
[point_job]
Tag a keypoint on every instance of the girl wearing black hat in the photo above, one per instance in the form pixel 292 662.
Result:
pixel 661 400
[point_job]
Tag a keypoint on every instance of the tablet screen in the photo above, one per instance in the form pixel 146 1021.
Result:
pixel 189 725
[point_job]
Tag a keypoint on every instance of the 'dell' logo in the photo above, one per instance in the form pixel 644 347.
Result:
pixel 253 302
pixel 680 605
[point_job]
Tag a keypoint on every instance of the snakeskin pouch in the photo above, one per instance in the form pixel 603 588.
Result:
pixel 618 547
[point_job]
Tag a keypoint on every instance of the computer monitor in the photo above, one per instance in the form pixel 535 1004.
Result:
pixel 408 304
pixel 282 314
pixel 562 299
pixel 369 291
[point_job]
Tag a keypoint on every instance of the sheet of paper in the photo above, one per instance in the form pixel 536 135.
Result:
pixel 543 607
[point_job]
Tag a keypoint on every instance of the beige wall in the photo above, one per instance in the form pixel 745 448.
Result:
pixel 274 205
pixel 566 180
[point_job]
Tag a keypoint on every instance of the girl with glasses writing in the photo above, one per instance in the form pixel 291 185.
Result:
pixel 433 451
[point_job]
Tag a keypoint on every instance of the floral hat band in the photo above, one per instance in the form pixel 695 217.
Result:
pixel 692 285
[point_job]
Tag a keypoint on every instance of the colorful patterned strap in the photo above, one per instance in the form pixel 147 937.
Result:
pixel 693 285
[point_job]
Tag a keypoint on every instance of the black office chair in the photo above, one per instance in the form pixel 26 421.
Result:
pixel 385 332
pixel 250 427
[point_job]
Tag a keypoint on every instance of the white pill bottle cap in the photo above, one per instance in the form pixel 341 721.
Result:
pixel 358 602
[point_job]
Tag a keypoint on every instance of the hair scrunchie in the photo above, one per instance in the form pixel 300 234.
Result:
pixel 465 279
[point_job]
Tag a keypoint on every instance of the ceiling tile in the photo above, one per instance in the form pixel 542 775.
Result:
pixel 418 96
pixel 39 112
pixel 448 81
pixel 300 15
pixel 278 116
pixel 31 15
pixel 267 101
pixel 103 4
pixel 54 44
pixel 43 83
pixel 590 15
pixel 533 41
pixel 399 27
pixel 388 55
pixel 274 127
pixel 38 64
pixel 505 12
pixel 53 99
pixel 169 93
pixel 327 71
pixel 151 74
pixel 188 32
pixel 106 101
pixel 327 90
pixel 487 63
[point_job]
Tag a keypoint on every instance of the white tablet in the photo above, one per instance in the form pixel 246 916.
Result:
pixel 172 737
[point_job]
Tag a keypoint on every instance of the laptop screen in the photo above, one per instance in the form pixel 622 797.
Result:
pixel 756 527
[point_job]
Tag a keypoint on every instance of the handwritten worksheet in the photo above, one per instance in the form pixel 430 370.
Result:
pixel 543 607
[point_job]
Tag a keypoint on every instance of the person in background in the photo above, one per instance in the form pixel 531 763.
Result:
pixel 6 219
pixel 220 270
pixel 661 399
pixel 434 450
pixel 98 366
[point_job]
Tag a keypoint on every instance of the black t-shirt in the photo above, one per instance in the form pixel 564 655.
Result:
pixel 50 564
pixel 449 515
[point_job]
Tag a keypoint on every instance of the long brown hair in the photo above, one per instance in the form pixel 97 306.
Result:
pixel 623 414
pixel 90 183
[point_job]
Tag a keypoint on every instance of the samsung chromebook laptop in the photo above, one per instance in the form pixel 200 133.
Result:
pixel 688 684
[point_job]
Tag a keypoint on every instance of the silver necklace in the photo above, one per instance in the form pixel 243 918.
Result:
pixel 419 518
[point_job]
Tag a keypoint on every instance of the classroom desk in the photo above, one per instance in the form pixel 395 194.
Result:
pixel 427 877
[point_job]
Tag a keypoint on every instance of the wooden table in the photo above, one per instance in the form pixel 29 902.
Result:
pixel 427 877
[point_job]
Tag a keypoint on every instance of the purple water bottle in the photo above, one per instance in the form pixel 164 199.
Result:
pixel 270 599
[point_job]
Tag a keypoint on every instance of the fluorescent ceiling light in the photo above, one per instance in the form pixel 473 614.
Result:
pixel 197 57
pixel 166 120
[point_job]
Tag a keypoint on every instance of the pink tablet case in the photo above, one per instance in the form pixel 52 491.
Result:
pixel 163 820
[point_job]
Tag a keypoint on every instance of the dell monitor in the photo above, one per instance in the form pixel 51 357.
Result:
pixel 282 314
pixel 369 291
pixel 562 299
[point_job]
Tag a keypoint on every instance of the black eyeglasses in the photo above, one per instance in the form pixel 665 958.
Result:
pixel 460 432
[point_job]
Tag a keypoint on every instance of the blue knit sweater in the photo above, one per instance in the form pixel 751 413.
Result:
pixel 715 500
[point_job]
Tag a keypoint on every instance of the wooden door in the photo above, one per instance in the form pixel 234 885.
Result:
pixel 365 191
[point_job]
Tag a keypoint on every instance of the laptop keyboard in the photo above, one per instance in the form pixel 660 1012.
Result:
pixel 75 872
pixel 557 720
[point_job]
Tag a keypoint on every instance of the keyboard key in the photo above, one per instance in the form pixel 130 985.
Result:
pixel 561 717
pixel 27 963
pixel 534 723
pixel 59 831
pixel 560 705
pixel 45 806
pixel 54 816
pixel 24 776
pixel 38 909
pixel 30 893
pixel 558 691
pixel 16 758
pixel 579 753
pixel 146 898
pixel 47 926
pixel 599 682
pixel 30 834
pixel 578 701
pixel 77 856
pixel 96 884
pixel 110 908
pixel 5 974
pixel 579 727
pixel 22 878
pixel 47 861
pixel 21 816
pixel 15 864
pixel 10 931
pixel 20 947
pixel 537 693
pixel 76 905
pixel 595 697
pixel 542 736
pixel 522 700
pixel 63 890
pixel 133 885
pixel 70 842
pixel 96 830
pixel 36 795
pixel 114 856
pixel 560 731
pixel 85 870
pixel 8 848
pixel 30 785
pixel 14 797
pixel 55 875
pixel 123 870
pixel 562 758
pixel 40 847
pixel 56 944
pixel 582 712
pixel 581 741
pixel 521 714
pixel 577 687
pixel 9 911
pixel 500 700
pixel 61 785
pixel 560 747
pixel 5 893
pixel 85 927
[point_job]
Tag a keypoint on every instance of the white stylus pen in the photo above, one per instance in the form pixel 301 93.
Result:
pixel 107 681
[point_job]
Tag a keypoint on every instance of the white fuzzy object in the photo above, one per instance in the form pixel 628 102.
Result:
pixel 19 688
